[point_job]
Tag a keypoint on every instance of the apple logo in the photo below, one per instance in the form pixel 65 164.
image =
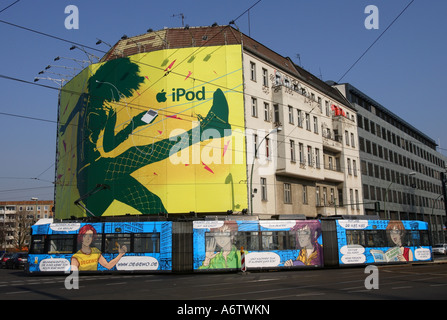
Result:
pixel 161 96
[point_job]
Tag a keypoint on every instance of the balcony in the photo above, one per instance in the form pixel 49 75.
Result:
pixel 331 143
pixel 333 173
pixel 328 210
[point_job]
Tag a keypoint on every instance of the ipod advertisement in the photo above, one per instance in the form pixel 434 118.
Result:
pixel 153 133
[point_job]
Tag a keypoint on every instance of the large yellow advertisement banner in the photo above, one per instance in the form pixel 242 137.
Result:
pixel 157 132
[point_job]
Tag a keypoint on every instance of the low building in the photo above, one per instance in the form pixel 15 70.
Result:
pixel 17 216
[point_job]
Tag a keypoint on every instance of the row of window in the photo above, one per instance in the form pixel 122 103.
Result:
pixel 400 197
pixel 391 137
pixel 303 118
pixel 323 197
pixel 389 155
pixel 382 238
pixel 383 173
pixel 279 79
pixel 260 240
pixel 106 243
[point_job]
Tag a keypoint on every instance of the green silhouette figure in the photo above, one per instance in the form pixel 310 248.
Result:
pixel 114 81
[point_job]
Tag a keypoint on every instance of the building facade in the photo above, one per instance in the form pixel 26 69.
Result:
pixel 400 166
pixel 204 120
pixel 314 170
pixel 16 217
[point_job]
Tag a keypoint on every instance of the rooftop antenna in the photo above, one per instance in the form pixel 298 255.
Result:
pixel 182 16
pixel 298 56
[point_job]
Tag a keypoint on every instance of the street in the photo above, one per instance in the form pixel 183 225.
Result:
pixel 417 281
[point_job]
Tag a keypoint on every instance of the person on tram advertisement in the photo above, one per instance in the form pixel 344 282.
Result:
pixel 88 257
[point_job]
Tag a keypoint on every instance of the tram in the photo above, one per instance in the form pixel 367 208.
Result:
pixel 218 243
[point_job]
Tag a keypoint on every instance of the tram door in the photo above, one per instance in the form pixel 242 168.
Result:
pixel 182 252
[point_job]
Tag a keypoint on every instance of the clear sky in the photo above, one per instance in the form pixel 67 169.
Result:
pixel 404 70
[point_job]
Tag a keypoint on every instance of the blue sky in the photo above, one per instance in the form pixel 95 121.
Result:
pixel 404 71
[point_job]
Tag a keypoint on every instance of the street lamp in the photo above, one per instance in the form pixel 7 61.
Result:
pixel 35 208
pixel 278 129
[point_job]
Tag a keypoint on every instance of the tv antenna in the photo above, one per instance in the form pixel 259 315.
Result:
pixel 182 16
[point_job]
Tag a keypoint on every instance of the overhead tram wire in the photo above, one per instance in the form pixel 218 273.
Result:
pixel 51 36
pixel 375 41
pixel 5 8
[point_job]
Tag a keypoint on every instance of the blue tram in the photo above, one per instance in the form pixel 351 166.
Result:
pixel 222 243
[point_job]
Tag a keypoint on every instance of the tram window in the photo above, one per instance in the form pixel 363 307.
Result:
pixel 417 238
pixel 146 242
pixel 425 240
pixel 269 240
pixel 278 240
pixel 355 237
pixel 60 243
pixel 114 241
pixel 248 240
pixel 37 244
pixel 375 238
pixel 96 242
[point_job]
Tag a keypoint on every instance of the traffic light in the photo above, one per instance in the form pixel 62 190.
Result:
pixel 377 207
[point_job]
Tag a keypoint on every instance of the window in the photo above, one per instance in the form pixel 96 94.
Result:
pixel 301 152
pixel 265 78
pixel 254 107
pixel 317 158
pixel 276 113
pixel 351 198
pixel 114 241
pixel 278 79
pixel 307 121
pixel 352 140
pixel 349 166
pixel 248 240
pixel 266 111
pixel 357 200
pixel 347 137
pixel 252 71
pixel 255 144
pixel 146 242
pixel 315 124
pixel 291 115
pixel 264 189
pixel 354 167
pixel 309 156
pixel 267 148
pixel 292 151
pixel 37 244
pixel 300 118
pixel 61 243
pixel 317 196
pixel 304 194
pixel 287 193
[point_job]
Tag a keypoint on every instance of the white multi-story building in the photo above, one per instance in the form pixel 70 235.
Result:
pixel 313 129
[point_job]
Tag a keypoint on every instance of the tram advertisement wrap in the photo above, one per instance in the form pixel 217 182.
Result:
pixel 266 243
pixel 65 247
pixel 155 132
pixel 382 241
